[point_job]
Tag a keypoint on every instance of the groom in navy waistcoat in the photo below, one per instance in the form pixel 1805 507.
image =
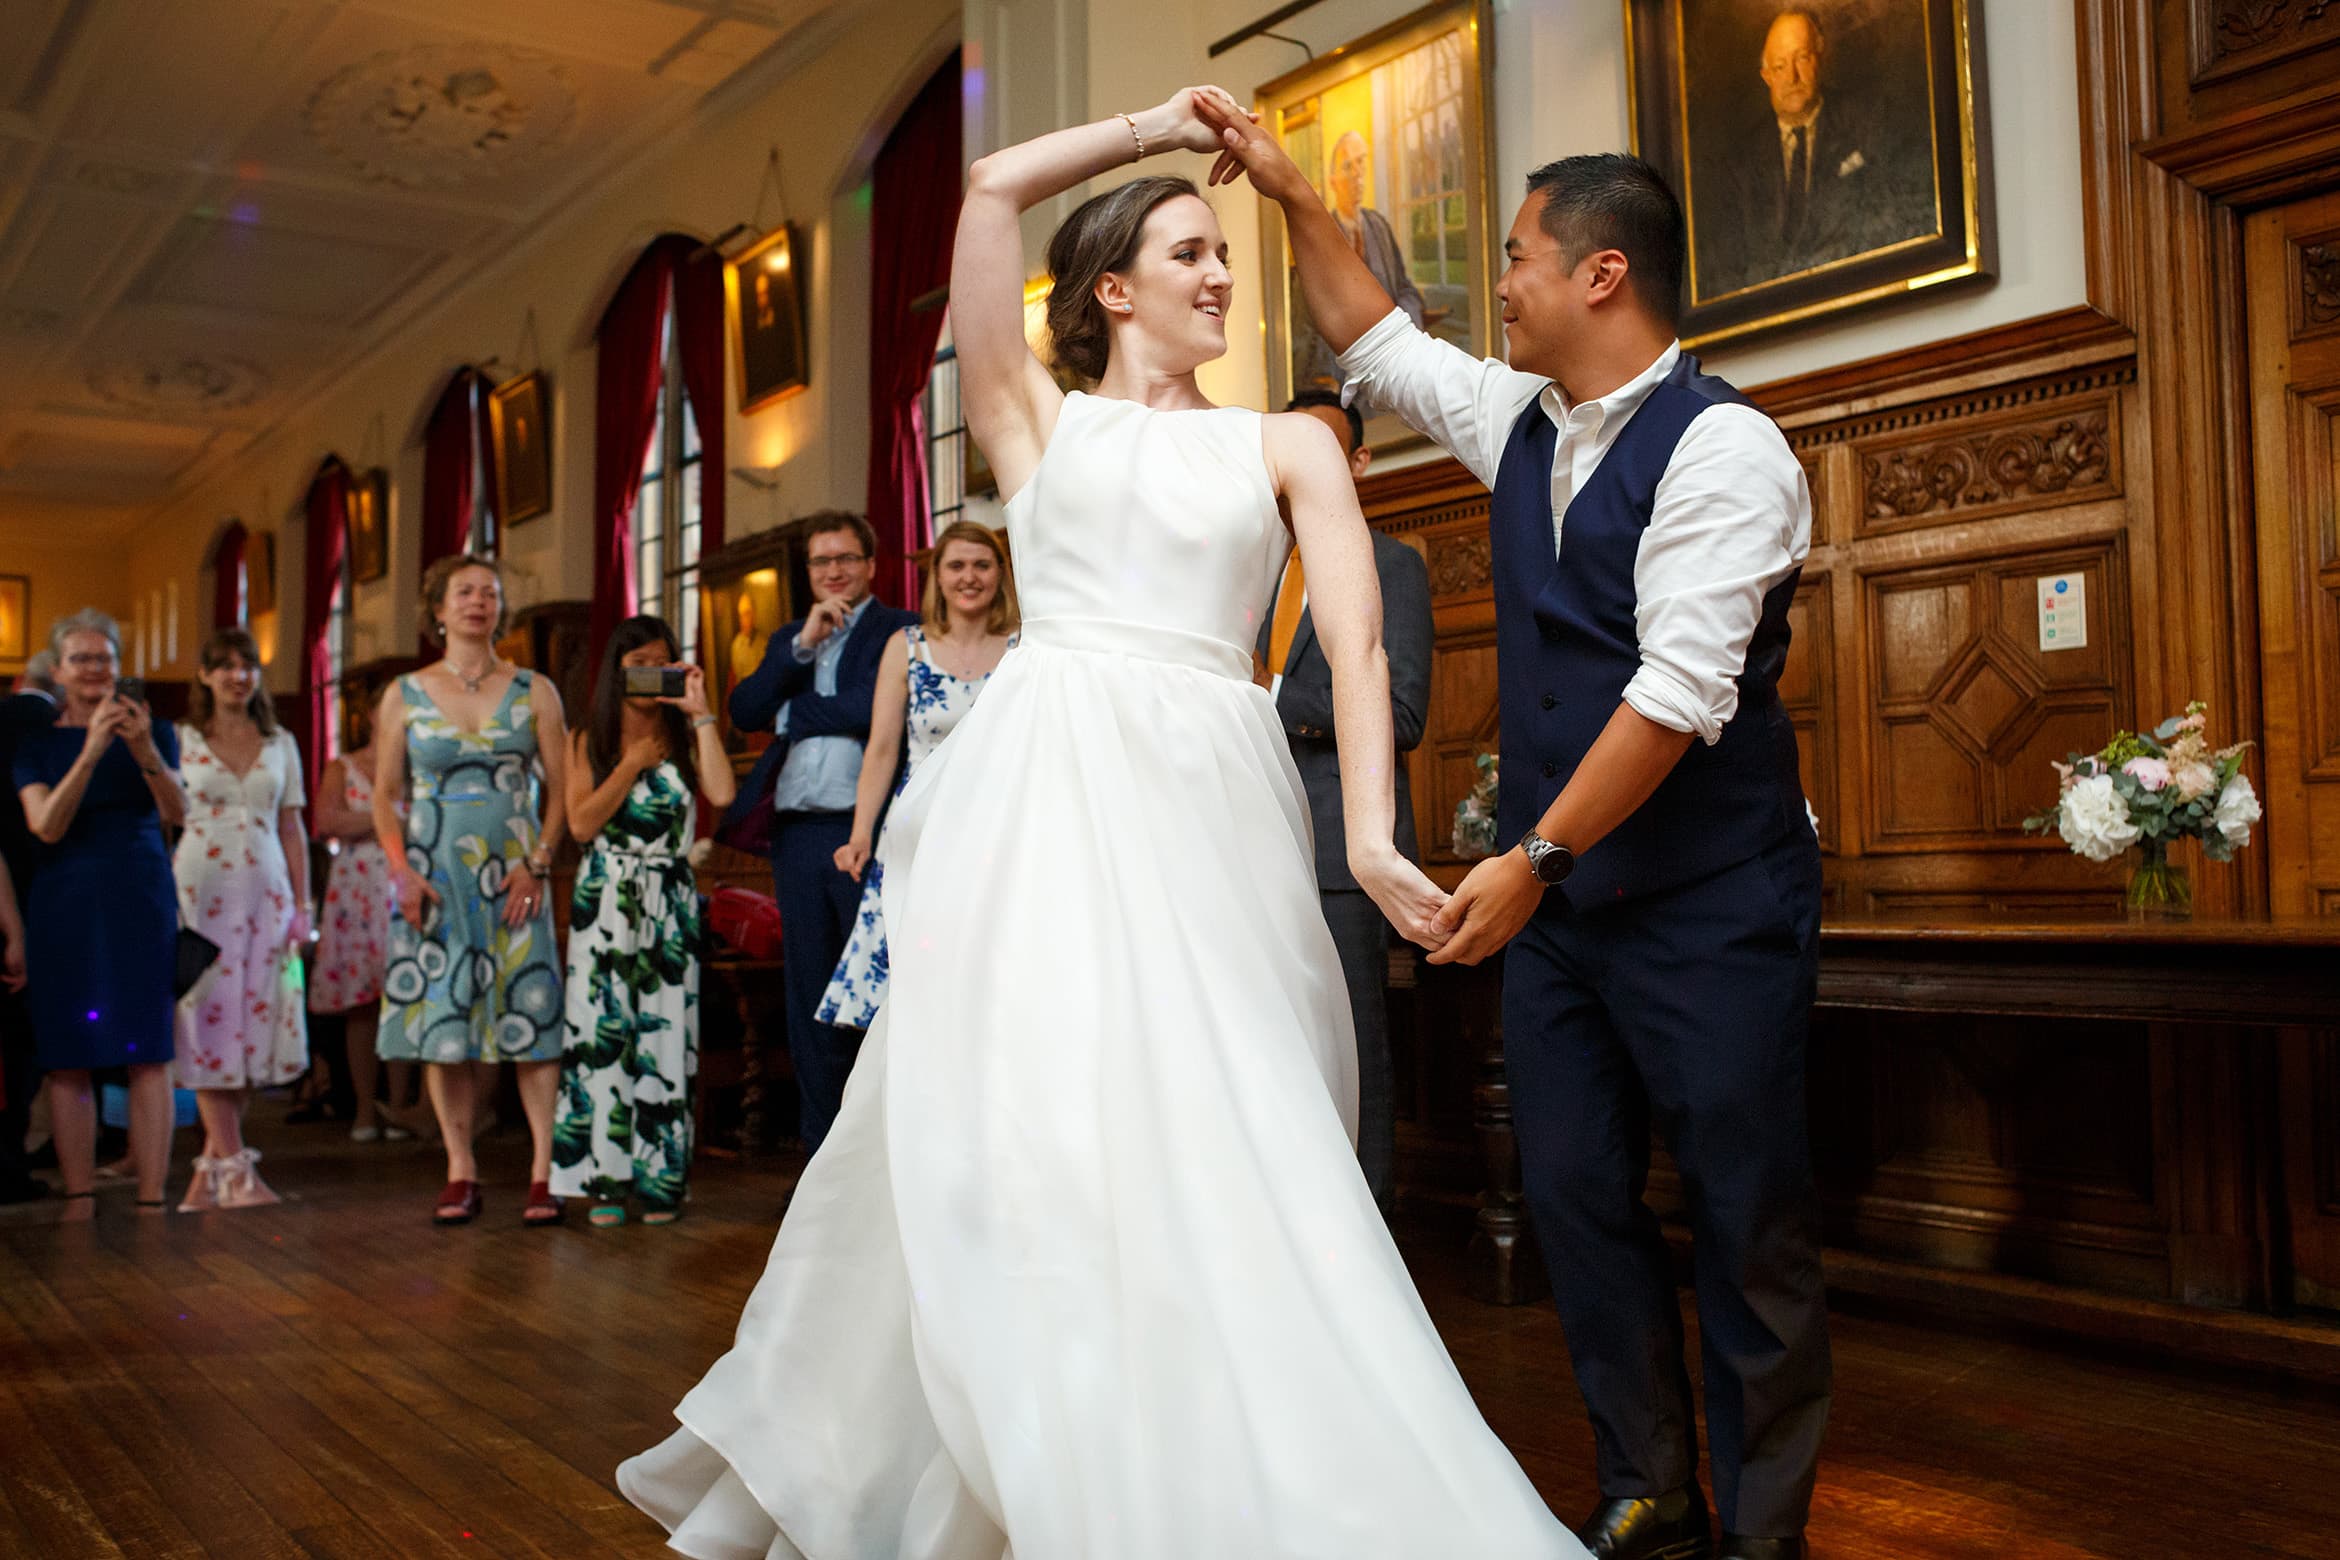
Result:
pixel 1660 896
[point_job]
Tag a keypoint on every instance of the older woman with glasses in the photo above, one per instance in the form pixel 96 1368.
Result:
pixel 98 788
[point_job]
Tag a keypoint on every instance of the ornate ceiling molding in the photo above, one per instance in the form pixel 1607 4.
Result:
pixel 438 115
pixel 180 384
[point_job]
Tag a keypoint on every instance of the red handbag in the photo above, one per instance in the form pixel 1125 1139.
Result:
pixel 748 922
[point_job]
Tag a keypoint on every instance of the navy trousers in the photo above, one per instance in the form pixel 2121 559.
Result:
pixel 817 906
pixel 1361 934
pixel 1686 1011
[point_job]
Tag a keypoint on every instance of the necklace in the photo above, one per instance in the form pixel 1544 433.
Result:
pixel 472 680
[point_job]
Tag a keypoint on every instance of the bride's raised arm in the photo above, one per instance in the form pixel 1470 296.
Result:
pixel 1011 403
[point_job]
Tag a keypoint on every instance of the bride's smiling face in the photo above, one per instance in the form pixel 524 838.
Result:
pixel 1171 302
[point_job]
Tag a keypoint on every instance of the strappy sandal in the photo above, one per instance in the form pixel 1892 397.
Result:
pixel 459 1203
pixel 607 1215
pixel 70 1198
pixel 152 1205
pixel 661 1215
pixel 542 1207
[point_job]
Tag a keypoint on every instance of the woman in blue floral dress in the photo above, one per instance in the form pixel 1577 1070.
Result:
pixel 927 683
pixel 632 1046
pixel 473 973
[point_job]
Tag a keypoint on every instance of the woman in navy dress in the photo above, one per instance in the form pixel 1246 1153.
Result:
pixel 98 788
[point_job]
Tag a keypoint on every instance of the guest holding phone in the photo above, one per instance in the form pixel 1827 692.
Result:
pixel 98 788
pixel 648 749
pixel 473 975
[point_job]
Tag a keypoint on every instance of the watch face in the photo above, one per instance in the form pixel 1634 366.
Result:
pixel 1553 862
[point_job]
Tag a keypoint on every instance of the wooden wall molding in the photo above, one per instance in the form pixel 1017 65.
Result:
pixel 2319 284
pixel 2233 37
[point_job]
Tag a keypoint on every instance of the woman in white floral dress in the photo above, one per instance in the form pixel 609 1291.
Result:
pixel 243 873
pixel 927 682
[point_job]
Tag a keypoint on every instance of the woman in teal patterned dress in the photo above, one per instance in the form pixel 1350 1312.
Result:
pixel 473 974
pixel 633 996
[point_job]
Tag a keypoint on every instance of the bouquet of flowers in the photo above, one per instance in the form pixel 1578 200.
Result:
pixel 2143 792
pixel 1474 815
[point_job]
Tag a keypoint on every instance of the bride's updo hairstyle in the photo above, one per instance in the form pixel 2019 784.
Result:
pixel 1100 236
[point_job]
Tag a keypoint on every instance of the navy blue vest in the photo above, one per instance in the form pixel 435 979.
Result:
pixel 1566 647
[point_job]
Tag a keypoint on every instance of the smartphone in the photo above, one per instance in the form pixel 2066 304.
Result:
pixel 655 682
pixel 131 688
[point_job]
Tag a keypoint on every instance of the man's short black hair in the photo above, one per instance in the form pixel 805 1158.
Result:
pixel 1609 200
pixel 1356 421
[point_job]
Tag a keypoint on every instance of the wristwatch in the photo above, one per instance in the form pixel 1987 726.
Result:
pixel 1549 862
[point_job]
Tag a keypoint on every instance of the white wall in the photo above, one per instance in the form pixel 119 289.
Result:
pixel 828 119
pixel 1560 89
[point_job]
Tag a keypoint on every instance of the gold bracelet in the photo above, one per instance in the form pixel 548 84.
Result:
pixel 1135 136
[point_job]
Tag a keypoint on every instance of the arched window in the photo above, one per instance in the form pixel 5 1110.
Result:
pixel 666 518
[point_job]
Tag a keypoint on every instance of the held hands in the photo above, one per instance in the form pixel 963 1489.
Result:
pixel 1246 148
pixel 1489 910
pixel 1411 902
pixel 851 857
pixel 1181 123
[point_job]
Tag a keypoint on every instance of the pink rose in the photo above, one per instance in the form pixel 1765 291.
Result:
pixel 2151 773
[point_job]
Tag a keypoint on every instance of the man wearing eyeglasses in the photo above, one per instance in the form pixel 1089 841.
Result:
pixel 815 696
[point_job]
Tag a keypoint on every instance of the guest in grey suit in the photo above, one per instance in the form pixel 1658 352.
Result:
pixel 1296 672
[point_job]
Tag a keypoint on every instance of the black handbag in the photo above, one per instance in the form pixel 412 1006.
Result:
pixel 194 955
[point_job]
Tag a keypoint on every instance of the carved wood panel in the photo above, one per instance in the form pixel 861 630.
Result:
pixel 2234 37
pixel 2026 459
pixel 1969 710
pixel 1803 685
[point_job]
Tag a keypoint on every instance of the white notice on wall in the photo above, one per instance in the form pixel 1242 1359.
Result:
pixel 2063 612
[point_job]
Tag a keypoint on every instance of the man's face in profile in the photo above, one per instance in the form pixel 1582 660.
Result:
pixel 1792 52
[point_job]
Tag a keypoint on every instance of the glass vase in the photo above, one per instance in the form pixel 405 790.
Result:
pixel 2158 888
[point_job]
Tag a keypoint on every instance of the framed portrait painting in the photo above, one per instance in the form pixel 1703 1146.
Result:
pixel 746 591
pixel 1392 132
pixel 15 617
pixel 523 440
pixel 1829 154
pixel 764 288
pixel 369 525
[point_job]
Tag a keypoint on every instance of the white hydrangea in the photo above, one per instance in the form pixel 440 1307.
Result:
pixel 2095 821
pixel 2237 810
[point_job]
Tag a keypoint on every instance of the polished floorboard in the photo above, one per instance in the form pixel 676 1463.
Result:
pixel 336 1378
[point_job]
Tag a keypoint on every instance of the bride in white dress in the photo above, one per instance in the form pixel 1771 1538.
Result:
pixel 1086 1269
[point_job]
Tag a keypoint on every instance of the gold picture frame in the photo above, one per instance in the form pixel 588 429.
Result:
pixel 764 574
pixel 15 618
pixel 1853 169
pixel 518 419
pixel 369 525
pixel 763 292
pixel 1393 123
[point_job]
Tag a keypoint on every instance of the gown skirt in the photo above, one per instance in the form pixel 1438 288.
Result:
pixel 1087 1259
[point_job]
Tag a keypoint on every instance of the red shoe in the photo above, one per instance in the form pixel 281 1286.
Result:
pixel 459 1203
pixel 543 1207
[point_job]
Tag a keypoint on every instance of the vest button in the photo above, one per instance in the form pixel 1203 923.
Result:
pixel 1550 770
pixel 1550 702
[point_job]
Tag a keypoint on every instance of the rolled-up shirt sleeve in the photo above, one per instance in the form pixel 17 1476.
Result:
pixel 1732 518
pixel 1463 403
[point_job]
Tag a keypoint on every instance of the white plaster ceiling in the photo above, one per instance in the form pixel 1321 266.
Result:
pixel 210 208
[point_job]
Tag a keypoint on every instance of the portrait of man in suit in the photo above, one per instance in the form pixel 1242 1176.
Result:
pixel 1803 154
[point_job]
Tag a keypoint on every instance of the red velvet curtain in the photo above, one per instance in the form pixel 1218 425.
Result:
pixel 915 211
pixel 625 411
pixel 455 438
pixel 227 578
pixel 324 546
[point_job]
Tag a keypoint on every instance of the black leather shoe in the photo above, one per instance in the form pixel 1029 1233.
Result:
pixel 1670 1527
pixel 1736 1548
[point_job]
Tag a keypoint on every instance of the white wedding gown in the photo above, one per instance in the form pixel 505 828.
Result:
pixel 1086 1269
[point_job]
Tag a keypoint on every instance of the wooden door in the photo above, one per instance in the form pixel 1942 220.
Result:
pixel 2292 270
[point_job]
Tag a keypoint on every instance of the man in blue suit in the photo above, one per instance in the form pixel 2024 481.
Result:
pixel 1659 907
pixel 814 691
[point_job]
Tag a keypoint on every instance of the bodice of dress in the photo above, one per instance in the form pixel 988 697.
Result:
pixel 1151 532
pixel 939 700
pixel 655 820
pixel 226 810
pixel 448 764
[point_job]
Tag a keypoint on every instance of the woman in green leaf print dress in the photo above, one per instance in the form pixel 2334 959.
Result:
pixel 474 744
pixel 633 997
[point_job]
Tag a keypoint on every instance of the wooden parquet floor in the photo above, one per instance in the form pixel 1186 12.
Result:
pixel 335 1378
